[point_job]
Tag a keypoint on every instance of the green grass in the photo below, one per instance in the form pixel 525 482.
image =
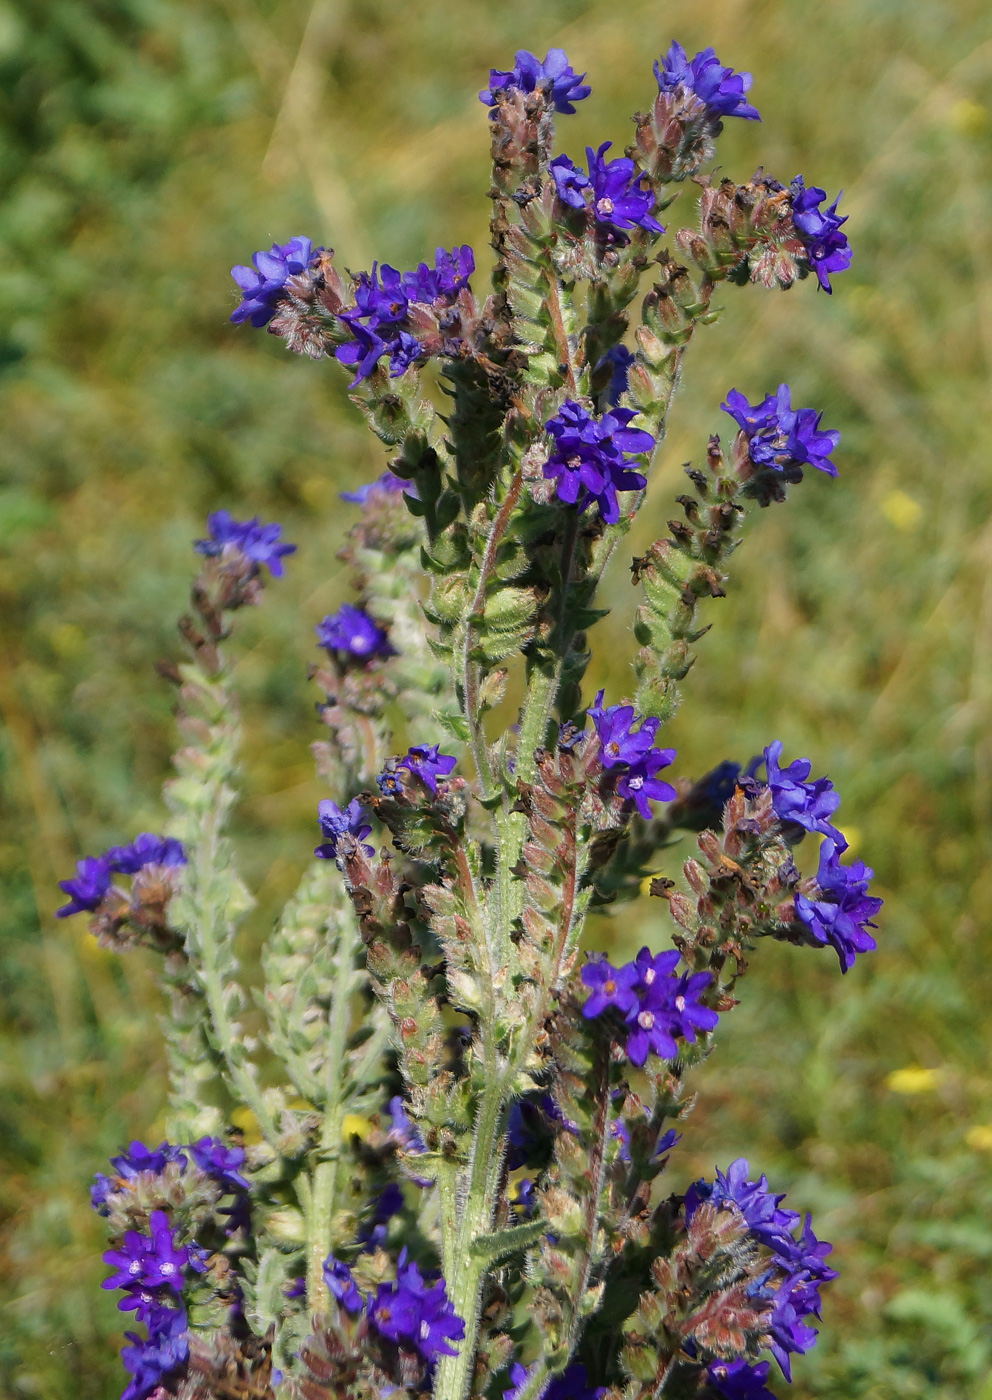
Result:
pixel 146 147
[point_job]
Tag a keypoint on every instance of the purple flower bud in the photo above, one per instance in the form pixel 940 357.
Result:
pixel 739 1380
pixel 145 849
pixel 334 823
pixel 827 249
pixel 781 438
pixel 589 460
pixel 341 1284
pixel 353 632
pixel 88 889
pixel 258 543
pixel 425 762
pixel 841 911
pixel 554 77
pixel 262 285
pixel 386 485
pixel 721 90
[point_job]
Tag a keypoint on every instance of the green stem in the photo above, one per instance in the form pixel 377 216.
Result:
pixel 321 1211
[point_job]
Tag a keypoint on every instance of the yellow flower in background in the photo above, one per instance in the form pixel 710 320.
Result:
pixel 244 1119
pixel 901 510
pixel 913 1080
pixel 979 1138
pixel 352 1125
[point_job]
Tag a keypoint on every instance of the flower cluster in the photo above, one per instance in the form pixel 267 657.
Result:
pixel 827 249
pixel 335 823
pixel 798 1261
pixel 350 632
pixel 262 284
pixel 782 439
pixel 94 874
pixel 655 1003
pixel 630 752
pixel 739 1380
pixel 250 540
pixel 721 90
pixel 554 77
pixel 413 1313
pixel 380 321
pixel 613 189
pixel 796 800
pixel 589 461
pixel 840 909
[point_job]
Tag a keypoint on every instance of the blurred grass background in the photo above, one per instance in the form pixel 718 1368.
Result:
pixel 149 144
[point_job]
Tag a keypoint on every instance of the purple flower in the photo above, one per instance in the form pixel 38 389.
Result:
pixel 139 1158
pixel 807 1256
pixel 352 631
pixel 261 285
pixel 781 438
pixel 632 751
pixel 666 1142
pixel 148 1263
pixel 619 198
pixel 402 1130
pixel 145 849
pixel 759 1206
pixel 101 1189
pixel 342 1285
pixel 425 762
pixel 388 484
pixel 808 804
pixel 449 275
pixel 841 913
pixel 721 90
pixel 523 1199
pixel 621 1132
pixel 572 1384
pixel 334 823
pixel 257 542
pixel 88 889
pixel 589 458
pixel 554 77
pixel 151 1360
pixel 789 1330
pixel 221 1162
pixel 826 247
pixel 739 1380
pixel 416 1313
pixel 374 1232
pixel 663 1005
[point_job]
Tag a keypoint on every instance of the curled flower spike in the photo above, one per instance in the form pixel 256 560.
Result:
pixel 589 461
pixel 262 284
pixel 721 90
pixel 260 544
pixel 554 77
pixel 425 761
pixel 335 823
pixel 841 909
pixel 351 632
pixel 781 438
pixel 827 249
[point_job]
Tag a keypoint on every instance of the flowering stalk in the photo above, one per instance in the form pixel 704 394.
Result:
pixel 452 1184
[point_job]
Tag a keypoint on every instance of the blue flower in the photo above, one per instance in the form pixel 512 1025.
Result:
pixel 388 484
pixel 416 1313
pixel 335 823
pixel 145 849
pixel 721 90
pixel 656 1004
pixel 826 247
pixel 795 800
pixel 257 542
pixel 841 910
pixel 632 753
pixel 221 1162
pixel 620 359
pixel 139 1158
pixel 262 285
pixel 589 460
pixel 781 438
pixel 618 197
pixel 425 761
pixel 152 1360
pixel 351 631
pixel 758 1205
pixel 739 1380
pixel 88 889
pixel 147 1262
pixel 572 1384
pixel 342 1285
pixel 554 77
